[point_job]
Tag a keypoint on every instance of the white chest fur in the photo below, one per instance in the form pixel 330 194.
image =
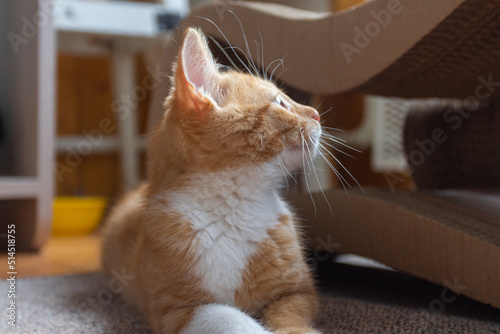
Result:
pixel 232 212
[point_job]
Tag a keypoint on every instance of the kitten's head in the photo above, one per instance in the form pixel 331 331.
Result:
pixel 216 120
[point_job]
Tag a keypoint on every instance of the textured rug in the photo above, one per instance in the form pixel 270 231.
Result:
pixel 354 300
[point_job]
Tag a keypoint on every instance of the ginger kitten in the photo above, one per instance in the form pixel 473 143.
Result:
pixel 212 245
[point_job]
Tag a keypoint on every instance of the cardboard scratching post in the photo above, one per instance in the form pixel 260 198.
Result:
pixel 451 238
pixel 402 48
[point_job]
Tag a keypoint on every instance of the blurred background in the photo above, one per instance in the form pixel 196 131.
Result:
pixel 105 56
pixel 85 94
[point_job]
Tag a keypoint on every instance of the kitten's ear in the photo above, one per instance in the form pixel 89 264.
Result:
pixel 196 78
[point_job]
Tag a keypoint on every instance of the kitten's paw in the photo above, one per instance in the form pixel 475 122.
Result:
pixel 297 331
pixel 223 319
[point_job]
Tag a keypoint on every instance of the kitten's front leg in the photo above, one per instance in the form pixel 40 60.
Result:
pixel 222 319
pixel 292 314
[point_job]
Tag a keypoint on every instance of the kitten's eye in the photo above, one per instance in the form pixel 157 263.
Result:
pixel 281 102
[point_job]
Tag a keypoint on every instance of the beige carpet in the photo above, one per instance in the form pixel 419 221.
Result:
pixel 355 300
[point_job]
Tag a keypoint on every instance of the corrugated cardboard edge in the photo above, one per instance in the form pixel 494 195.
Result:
pixel 409 239
pixel 310 42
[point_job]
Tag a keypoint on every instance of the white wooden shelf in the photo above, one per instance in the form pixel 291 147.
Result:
pixel 119 18
pixel 20 187
pixel 119 29
pixel 27 82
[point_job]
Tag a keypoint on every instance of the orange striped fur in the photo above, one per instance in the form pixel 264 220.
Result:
pixel 211 245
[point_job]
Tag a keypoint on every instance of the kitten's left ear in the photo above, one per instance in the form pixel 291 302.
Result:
pixel 197 78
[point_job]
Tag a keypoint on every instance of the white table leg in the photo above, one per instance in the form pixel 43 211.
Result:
pixel 125 108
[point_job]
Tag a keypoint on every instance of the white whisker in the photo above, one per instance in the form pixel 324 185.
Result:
pixel 341 142
pixel 281 73
pixel 305 174
pixel 326 112
pixel 267 68
pixel 282 65
pixel 283 170
pixel 321 104
pixel 341 165
pixel 330 128
pixel 225 53
pixel 262 54
pixel 316 175
pixel 258 53
pixel 249 58
pixel 342 180
pixel 249 61
pixel 284 69
pixel 337 149
pixel 227 41
pixel 287 171
pixel 329 135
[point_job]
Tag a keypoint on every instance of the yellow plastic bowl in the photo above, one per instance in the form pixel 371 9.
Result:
pixel 77 215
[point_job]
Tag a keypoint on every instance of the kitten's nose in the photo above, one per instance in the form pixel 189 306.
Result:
pixel 315 115
pixel 310 112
